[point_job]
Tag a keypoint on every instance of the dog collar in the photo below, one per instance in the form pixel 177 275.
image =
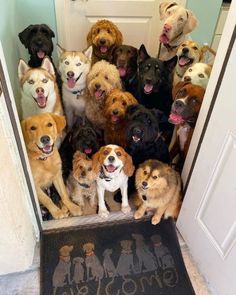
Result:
pixel 103 176
pixel 169 47
pixel 42 158
pixel 84 185
pixel 78 92
pixel 178 74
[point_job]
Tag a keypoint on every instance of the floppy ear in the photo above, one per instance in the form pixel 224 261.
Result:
pixel 88 52
pixel 177 87
pixel 50 32
pixel 159 115
pixel 47 65
pixel 22 68
pixel 60 50
pixel 119 37
pixel 131 100
pixel 128 165
pixel 142 54
pixel 60 122
pixel 24 36
pixel 164 6
pixel 97 160
pixel 132 108
pixel 24 128
pixel 89 37
pixel 190 24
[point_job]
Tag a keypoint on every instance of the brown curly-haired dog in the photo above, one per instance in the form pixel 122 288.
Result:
pixel 101 80
pixel 115 112
pixel 104 36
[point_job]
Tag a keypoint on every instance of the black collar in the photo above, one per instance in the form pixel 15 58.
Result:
pixel 78 92
pixel 84 185
pixel 103 176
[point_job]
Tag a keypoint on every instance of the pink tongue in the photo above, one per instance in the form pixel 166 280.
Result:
pixel 164 39
pixel 114 118
pixel 122 72
pixel 41 54
pixel 88 151
pixel 47 148
pixel 175 119
pixel 41 100
pixel 71 82
pixel 103 49
pixel 98 93
pixel 148 88
pixel 110 168
pixel 183 61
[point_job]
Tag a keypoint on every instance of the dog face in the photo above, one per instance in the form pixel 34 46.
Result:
pixel 83 169
pixel 198 74
pixel 88 247
pixel 125 58
pixel 41 131
pixel 112 159
pixel 116 105
pixel 74 67
pixel 102 79
pixel 38 40
pixel 188 53
pixel 177 20
pixel 37 83
pixel 104 36
pixel 187 103
pixel 153 73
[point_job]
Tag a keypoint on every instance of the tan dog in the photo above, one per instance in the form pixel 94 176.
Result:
pixel 188 53
pixel 101 80
pixel 159 188
pixel 115 112
pixel 104 36
pixel 40 134
pixel 81 182
pixel 177 23
pixel 39 90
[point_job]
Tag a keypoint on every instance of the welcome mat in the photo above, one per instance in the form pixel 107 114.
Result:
pixel 125 258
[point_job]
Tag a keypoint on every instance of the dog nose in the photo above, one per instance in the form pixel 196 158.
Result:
pixel 187 79
pixel 97 85
pixel 167 27
pixel 137 130
pixel 121 62
pixel 70 74
pixel 185 50
pixel 179 104
pixel 111 159
pixel 148 81
pixel 39 90
pixel 102 41
pixel 144 198
pixel 115 112
pixel 45 139
pixel 144 183
pixel 83 173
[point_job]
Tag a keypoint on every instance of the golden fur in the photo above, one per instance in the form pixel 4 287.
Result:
pixel 40 133
pixel 159 188
pixel 104 36
pixel 101 80
pixel 115 113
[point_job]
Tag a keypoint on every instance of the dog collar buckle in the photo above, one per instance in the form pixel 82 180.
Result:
pixel 78 93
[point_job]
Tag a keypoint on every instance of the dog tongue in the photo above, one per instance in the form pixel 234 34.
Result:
pixel 175 119
pixel 122 71
pixel 71 82
pixel 114 118
pixel 103 49
pixel 88 151
pixel 41 54
pixel 148 88
pixel 41 101
pixel 183 61
pixel 110 168
pixel 164 39
pixel 98 93
pixel 47 148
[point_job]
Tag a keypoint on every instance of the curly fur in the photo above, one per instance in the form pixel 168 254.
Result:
pixel 104 36
pixel 101 80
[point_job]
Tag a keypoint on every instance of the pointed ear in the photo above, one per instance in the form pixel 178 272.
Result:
pixel 142 54
pixel 60 50
pixel 89 37
pixel 60 122
pixel 47 65
pixel 119 38
pixel 171 63
pixel 22 68
pixel 24 36
pixel 88 52
pixel 128 165
pixel 97 159
pixel 190 24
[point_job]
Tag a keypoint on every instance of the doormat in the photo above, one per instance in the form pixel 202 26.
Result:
pixel 125 258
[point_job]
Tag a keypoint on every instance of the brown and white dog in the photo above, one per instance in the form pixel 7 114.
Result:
pixel 115 167
pixel 177 23
pixel 198 74
pixel 188 53
pixel 39 90
pixel 40 134
pixel 184 113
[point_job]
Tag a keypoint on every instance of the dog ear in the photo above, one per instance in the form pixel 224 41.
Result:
pixel 131 100
pixel 128 165
pixel 60 122
pixel 22 68
pixel 23 124
pixel 159 115
pixel 89 37
pixel 177 88
pixel 24 36
pixel 190 24
pixel 119 37
pixel 50 32
pixel 164 6
pixel 132 108
pixel 88 52
pixel 97 159
pixel 60 50
pixel 171 63
pixel 142 54
pixel 47 65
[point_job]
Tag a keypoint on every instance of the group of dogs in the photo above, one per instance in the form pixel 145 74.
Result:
pixel 120 106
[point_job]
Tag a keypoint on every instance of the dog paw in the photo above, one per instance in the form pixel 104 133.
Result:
pixel 125 209
pixel 155 220
pixel 59 214
pixel 75 210
pixel 103 213
pixel 138 214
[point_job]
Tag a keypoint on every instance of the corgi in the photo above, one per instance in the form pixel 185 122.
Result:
pixel 73 67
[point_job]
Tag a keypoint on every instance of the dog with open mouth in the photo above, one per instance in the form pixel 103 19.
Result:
pixel 40 133
pixel 39 90
pixel 73 67
pixel 101 80
pixel 114 166
pixel 104 36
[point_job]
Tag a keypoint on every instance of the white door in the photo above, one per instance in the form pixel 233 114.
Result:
pixel 138 20
pixel 208 216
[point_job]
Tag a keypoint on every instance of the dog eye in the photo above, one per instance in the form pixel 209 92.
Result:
pixel 118 154
pixel 183 45
pixel 31 81
pixel 181 19
pixel 149 121
pixel 154 177
pixel 67 63
pixel 90 169
pixel 124 103
pixel 45 80
pixel 195 48
pixel 78 64
pixel 80 167
pixel 98 31
pixel 193 99
pixel 108 31
pixel 201 75
pixel 33 128
pixel 106 77
pixel 106 152
pixel 128 51
pixel 49 124
pixel 114 100
pixel 145 172
pixel 190 70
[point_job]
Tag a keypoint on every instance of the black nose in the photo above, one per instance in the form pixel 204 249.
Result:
pixel 144 198
pixel 185 50
pixel 102 41
pixel 70 74
pixel 45 139
pixel 83 173
pixel 137 131
pixel 187 79
pixel 97 85
pixel 111 159
pixel 144 183
pixel 148 81
pixel 115 112
pixel 179 104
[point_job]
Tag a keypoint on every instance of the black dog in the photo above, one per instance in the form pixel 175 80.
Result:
pixel 143 140
pixel 125 58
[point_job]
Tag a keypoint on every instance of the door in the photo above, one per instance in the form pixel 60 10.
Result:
pixel 207 219
pixel 138 20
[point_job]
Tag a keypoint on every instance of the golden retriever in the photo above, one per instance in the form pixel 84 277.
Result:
pixel 40 133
